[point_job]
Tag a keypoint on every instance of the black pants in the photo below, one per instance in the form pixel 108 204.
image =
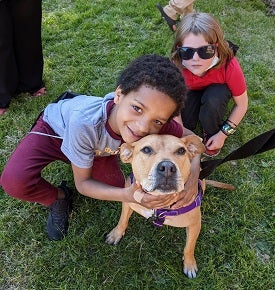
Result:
pixel 208 107
pixel 21 58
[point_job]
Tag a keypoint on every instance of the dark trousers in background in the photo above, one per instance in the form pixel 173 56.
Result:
pixel 21 57
pixel 208 107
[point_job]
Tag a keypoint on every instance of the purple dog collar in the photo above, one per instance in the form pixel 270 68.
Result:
pixel 159 215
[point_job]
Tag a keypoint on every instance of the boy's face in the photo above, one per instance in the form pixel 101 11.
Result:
pixel 140 113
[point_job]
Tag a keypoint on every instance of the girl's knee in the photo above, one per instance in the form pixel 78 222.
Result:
pixel 215 98
pixel 216 93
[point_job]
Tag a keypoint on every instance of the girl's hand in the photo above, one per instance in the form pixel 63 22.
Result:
pixel 216 141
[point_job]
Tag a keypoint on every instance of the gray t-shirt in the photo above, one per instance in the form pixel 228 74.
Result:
pixel 81 122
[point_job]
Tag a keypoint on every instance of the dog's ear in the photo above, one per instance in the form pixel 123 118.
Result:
pixel 194 144
pixel 126 152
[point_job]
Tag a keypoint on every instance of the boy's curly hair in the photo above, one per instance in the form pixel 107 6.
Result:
pixel 157 72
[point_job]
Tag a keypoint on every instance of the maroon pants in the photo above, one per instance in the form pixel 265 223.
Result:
pixel 21 177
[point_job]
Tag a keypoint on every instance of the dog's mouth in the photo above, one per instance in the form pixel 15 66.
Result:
pixel 164 178
pixel 166 188
pixel 160 188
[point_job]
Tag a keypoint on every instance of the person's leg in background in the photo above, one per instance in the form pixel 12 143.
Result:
pixel 21 54
pixel 191 110
pixel 214 105
pixel 174 9
pixel 178 7
pixel 27 18
pixel 8 68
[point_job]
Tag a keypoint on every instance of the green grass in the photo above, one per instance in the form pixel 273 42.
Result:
pixel 86 44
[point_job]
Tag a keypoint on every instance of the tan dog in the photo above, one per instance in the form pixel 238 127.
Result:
pixel 161 164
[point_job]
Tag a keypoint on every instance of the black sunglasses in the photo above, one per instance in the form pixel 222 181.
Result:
pixel 204 52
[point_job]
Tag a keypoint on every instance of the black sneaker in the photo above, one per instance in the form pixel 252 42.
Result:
pixel 58 219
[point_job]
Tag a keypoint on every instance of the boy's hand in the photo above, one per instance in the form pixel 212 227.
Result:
pixel 188 195
pixel 173 201
pixel 152 201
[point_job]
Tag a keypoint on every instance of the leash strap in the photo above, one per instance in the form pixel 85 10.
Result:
pixel 259 144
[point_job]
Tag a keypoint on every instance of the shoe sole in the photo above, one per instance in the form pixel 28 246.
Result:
pixel 171 22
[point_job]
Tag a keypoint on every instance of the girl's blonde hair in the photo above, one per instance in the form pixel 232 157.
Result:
pixel 206 25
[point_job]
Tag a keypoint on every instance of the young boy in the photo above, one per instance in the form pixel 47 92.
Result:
pixel 87 131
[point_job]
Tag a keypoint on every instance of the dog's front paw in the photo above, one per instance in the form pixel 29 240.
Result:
pixel 190 268
pixel 114 236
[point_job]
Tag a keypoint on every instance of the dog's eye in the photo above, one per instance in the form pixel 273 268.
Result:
pixel 147 150
pixel 181 151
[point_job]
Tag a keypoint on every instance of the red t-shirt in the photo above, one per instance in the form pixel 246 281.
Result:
pixel 230 74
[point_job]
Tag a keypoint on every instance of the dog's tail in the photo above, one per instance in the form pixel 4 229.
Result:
pixel 219 184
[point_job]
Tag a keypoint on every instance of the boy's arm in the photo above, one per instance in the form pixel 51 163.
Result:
pixel 189 194
pixel 98 190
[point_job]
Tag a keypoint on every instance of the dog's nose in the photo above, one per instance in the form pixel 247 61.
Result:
pixel 166 168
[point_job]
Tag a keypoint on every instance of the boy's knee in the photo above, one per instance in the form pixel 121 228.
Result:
pixel 13 184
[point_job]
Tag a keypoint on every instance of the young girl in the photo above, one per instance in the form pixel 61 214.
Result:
pixel 86 131
pixel 213 76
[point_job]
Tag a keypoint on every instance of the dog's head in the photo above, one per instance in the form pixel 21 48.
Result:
pixel 161 163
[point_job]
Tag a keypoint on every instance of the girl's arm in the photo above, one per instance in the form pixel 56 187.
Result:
pixel 237 114
pixel 240 108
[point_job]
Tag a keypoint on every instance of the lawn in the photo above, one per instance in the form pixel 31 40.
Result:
pixel 86 44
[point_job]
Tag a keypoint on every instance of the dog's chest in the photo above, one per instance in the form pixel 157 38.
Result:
pixel 145 212
pixel 181 221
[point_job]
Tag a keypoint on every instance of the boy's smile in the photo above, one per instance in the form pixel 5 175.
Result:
pixel 140 113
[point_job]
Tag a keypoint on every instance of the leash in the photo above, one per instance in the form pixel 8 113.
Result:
pixel 259 144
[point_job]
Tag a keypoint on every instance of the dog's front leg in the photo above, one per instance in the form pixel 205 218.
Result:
pixel 189 262
pixel 118 232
